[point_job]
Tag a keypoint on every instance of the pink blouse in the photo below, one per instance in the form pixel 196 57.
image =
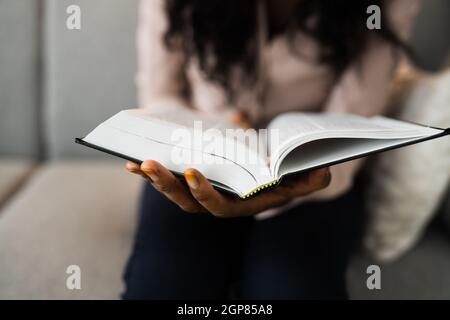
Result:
pixel 285 81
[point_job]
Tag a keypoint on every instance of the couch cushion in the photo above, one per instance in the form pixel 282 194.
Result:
pixel 13 172
pixel 90 72
pixel 19 88
pixel 70 213
pixel 423 273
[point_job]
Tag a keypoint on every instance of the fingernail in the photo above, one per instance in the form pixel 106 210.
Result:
pixel 191 180
pixel 151 173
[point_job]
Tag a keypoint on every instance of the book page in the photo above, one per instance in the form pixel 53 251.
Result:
pixel 321 152
pixel 300 124
pixel 208 134
pixel 219 171
pixel 184 117
pixel 293 129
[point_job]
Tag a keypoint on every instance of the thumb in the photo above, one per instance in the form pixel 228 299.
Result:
pixel 241 120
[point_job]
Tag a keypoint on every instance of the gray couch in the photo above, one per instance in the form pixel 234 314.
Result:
pixel 63 205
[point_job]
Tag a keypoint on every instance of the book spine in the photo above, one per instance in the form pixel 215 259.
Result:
pixel 260 188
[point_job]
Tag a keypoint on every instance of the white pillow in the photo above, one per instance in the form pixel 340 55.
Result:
pixel 407 184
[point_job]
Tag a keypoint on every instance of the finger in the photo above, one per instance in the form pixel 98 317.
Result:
pixel 135 169
pixel 132 167
pixel 241 120
pixel 296 186
pixel 310 182
pixel 224 207
pixel 166 183
pixel 267 200
pixel 207 196
pixel 321 178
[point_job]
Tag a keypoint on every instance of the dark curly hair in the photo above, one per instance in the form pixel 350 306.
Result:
pixel 222 33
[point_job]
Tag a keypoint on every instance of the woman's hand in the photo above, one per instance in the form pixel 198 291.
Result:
pixel 200 196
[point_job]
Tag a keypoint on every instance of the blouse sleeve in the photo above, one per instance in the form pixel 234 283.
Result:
pixel 364 86
pixel 160 79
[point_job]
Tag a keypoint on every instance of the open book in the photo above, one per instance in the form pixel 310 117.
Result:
pixel 245 162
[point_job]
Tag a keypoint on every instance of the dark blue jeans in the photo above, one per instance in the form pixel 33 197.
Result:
pixel 300 254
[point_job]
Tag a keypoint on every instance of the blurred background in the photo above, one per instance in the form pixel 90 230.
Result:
pixel 62 205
